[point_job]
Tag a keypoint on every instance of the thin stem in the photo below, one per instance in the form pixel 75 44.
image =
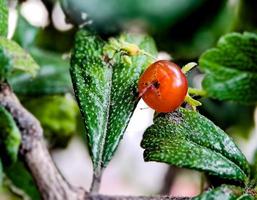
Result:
pixel 197 92
pixel 202 183
pixel 188 67
pixel 192 102
pixel 148 54
pixel 96 182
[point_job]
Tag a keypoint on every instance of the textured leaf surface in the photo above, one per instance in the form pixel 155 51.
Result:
pixel 10 137
pixel 22 179
pixel 52 78
pixel 20 59
pixel 106 93
pixel 3 18
pixel 225 192
pixel 187 139
pixel 231 68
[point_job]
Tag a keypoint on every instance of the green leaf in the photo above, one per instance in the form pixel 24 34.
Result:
pixel 52 78
pixel 22 179
pixel 3 18
pixel 20 59
pixel 183 28
pixel 5 64
pixel 10 137
pixel 112 16
pixel 231 68
pixel 246 19
pixel 107 93
pixel 224 192
pixel 187 139
pixel 25 34
pixel 57 115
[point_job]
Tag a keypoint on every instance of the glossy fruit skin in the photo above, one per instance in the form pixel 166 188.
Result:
pixel 163 86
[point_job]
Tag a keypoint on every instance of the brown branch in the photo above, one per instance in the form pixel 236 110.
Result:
pixel 35 154
pixel 169 179
pixel 33 150
pixel 104 197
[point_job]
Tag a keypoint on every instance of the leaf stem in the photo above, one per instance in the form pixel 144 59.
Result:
pixel 96 182
pixel 188 67
pixel 192 102
pixel 198 92
pixel 148 54
pixel 202 182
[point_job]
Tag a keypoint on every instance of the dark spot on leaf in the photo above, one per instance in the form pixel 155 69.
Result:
pixel 175 116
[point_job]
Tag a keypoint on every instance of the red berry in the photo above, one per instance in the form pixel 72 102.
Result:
pixel 163 86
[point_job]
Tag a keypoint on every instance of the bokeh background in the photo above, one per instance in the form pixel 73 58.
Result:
pixel 182 30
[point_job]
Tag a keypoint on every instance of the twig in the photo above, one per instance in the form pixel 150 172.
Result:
pixel 95 186
pixel 169 180
pixel 33 150
pixel 104 197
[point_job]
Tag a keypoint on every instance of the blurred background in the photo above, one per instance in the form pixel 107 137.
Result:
pixel 182 30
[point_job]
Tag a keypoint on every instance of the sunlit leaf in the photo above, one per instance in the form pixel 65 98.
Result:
pixel 52 78
pixel 3 18
pixel 20 59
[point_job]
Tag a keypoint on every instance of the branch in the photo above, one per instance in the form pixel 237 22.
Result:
pixel 33 150
pixel 105 197
pixel 51 184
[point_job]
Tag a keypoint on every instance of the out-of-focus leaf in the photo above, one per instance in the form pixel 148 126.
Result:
pixel 199 31
pixel 52 78
pixel 57 115
pixel 20 59
pixel 187 139
pixel 25 34
pixel 230 114
pixel 10 137
pixel 231 68
pixel 225 192
pixel 3 18
pixel 247 18
pixel 22 179
pixel 5 64
pixel 8 194
pixel 183 28
pixel 112 15
pixel 51 39
pixel 107 93
pixel 1 173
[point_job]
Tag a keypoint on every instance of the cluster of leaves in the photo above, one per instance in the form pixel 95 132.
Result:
pixel 183 138
pixel 106 91
pixel 51 83
pixel 13 59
